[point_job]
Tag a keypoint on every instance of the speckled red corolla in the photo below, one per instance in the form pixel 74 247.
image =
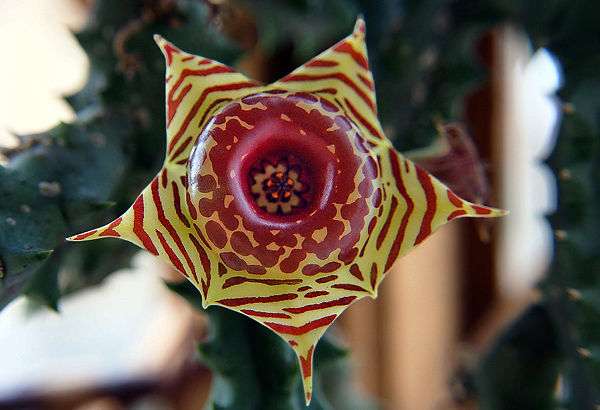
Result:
pixel 284 202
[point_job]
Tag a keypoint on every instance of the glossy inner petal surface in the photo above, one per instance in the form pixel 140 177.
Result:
pixel 282 179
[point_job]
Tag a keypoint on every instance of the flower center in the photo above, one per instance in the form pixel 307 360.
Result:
pixel 278 189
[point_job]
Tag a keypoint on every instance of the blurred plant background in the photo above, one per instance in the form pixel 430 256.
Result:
pixel 509 324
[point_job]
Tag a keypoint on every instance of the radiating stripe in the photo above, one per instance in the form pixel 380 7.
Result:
pixel 257 299
pixel 110 231
pixel 265 314
pixel 456 201
pixel 194 110
pixel 358 57
pixel 362 119
pixel 388 221
pixel 431 198
pixel 326 279
pixel 324 305
pixel 301 330
pixel 202 238
pixel 82 236
pixel 181 148
pixel 165 222
pixel 204 259
pixel 169 251
pixel 337 76
pixel 316 294
pixel 366 82
pixel 173 103
pixel 374 272
pixel 177 204
pixel 321 63
pixel 456 214
pixel 349 286
pixel 238 280
pixel 138 226
pixel 410 205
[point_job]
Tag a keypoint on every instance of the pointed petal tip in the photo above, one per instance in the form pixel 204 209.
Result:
pixel 360 27
pixel 308 397
pixel 85 236
pixel 481 211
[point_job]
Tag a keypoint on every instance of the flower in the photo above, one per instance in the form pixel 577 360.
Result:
pixel 284 202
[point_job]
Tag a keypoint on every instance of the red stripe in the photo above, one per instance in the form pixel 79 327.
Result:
pixel 360 59
pixel 259 299
pixel 109 231
pixel 321 63
pixel 373 275
pixel 138 226
pixel 410 205
pixel 362 120
pixel 456 214
pixel 82 236
pixel 177 203
pixel 164 179
pixel 318 306
pixel 326 279
pixel 372 224
pixel 349 286
pixel 169 50
pixel 301 330
pixel 306 365
pixel 366 82
pixel 355 271
pixel 199 232
pixel 388 221
pixel 316 294
pixel 172 257
pixel 338 76
pixel 203 259
pixel 194 110
pixel 456 201
pixel 481 210
pixel 190 205
pixel 210 109
pixel 172 105
pixel 181 148
pixel 427 185
pixel 165 222
pixel 238 280
pixel 265 314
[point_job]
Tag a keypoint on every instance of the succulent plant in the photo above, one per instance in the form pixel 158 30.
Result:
pixel 284 202
pixel 87 173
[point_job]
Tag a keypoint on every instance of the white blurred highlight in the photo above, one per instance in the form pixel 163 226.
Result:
pixel 40 61
pixel 531 112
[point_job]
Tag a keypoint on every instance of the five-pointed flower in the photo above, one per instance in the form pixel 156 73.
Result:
pixel 284 202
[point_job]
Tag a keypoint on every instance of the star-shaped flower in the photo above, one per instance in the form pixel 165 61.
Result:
pixel 284 202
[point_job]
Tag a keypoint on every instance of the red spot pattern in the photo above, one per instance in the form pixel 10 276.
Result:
pixel 238 147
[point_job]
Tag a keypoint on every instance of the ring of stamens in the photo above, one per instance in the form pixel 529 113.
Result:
pixel 278 189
